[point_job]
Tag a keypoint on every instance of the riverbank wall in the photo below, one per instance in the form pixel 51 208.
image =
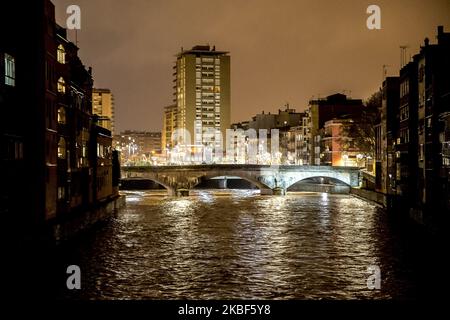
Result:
pixel 370 195
pixel 64 228
pixel 428 220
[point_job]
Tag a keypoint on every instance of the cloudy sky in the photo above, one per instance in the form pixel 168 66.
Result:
pixel 281 50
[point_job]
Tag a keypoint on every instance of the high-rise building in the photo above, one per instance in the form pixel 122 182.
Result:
pixel 103 107
pixel 202 95
pixel 169 127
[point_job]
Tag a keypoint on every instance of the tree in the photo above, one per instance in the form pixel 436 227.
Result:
pixel 362 129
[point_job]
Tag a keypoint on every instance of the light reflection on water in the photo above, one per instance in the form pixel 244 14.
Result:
pixel 238 244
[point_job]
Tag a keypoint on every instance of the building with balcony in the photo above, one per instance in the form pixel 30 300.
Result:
pixel 202 95
pixel 433 63
pixel 322 110
pixel 338 149
pixel 405 134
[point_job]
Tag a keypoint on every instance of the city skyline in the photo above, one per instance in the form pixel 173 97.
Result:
pixel 144 86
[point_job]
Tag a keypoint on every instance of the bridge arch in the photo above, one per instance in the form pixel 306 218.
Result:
pixel 330 179
pixel 240 174
pixel 171 190
pixel 292 178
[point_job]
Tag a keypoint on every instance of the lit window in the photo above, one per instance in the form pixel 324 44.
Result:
pixel 10 70
pixel 61 193
pixel 61 85
pixel 421 152
pixel 62 148
pixel 61 54
pixel 61 115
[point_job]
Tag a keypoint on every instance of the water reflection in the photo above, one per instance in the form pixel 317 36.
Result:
pixel 238 244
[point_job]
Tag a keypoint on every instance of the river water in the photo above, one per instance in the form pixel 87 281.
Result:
pixel 237 244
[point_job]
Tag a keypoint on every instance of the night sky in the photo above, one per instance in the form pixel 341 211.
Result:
pixel 281 50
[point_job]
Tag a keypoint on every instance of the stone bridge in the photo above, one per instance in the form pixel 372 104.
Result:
pixel 269 179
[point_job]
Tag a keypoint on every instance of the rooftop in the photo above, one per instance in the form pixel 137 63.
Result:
pixel 202 50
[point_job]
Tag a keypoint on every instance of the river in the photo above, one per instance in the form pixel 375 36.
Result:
pixel 224 244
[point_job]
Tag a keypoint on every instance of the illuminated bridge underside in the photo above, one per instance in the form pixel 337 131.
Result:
pixel 269 179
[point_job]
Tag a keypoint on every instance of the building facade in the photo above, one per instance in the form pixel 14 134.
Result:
pixel 290 128
pixel 389 103
pixel 103 107
pixel 169 127
pixel 433 107
pixel 138 146
pixel 202 94
pixel 47 131
pixel 413 144
pixel 406 133
pixel 322 110
pixel 338 149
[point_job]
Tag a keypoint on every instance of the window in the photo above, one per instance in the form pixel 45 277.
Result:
pixel 10 70
pixel 11 150
pixel 61 85
pixel 61 193
pixel 61 115
pixel 421 152
pixel 62 148
pixel 61 54
pixel 404 113
pixel 100 152
pixel 404 88
pixel 84 150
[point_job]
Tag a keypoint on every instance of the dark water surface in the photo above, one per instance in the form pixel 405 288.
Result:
pixel 238 244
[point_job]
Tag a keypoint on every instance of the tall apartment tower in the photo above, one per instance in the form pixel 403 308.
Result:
pixel 202 96
pixel 103 106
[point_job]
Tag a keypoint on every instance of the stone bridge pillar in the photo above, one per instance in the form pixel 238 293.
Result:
pixel 181 185
pixel 354 179
pixel 182 192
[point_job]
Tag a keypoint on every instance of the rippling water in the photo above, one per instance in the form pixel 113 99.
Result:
pixel 238 244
